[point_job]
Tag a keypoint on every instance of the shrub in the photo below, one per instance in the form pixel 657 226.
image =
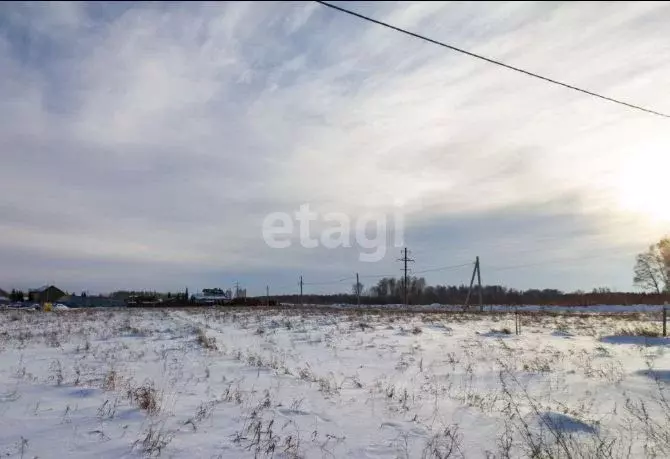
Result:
pixel 207 342
pixel 502 331
pixel 145 397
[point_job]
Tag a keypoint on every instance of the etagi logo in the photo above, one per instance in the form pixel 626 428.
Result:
pixel 370 231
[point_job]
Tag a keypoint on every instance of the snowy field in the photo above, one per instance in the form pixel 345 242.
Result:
pixel 223 383
pixel 600 308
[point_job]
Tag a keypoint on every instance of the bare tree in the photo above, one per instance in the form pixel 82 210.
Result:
pixel 652 268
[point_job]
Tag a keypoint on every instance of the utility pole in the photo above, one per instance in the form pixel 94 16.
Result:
pixel 358 291
pixel 301 290
pixel 267 295
pixel 475 271
pixel 405 260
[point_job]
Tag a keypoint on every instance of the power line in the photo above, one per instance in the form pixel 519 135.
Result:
pixel 498 250
pixel 377 276
pixel 277 288
pixel 558 260
pixel 450 247
pixel 490 60
pixel 330 282
pixel 442 268
pixel 448 267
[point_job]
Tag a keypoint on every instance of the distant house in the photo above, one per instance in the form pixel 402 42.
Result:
pixel 46 294
pixel 213 296
pixel 4 296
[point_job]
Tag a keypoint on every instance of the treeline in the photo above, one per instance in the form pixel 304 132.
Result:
pixel 150 294
pixel 18 295
pixel 391 291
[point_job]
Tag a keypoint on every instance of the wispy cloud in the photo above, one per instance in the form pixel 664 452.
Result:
pixel 159 135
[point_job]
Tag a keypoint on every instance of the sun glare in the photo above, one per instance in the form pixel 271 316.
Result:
pixel 643 187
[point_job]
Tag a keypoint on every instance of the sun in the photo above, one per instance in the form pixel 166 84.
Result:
pixel 643 187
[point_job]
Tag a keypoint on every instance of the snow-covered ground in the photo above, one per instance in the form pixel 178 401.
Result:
pixel 595 309
pixel 262 383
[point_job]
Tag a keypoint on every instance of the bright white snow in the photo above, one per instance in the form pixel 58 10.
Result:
pixel 235 383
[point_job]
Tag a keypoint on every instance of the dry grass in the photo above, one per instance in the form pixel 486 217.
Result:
pixel 207 342
pixel 111 380
pixel 639 330
pixel 146 397
pixel 156 438
pixel 502 331
pixel 263 437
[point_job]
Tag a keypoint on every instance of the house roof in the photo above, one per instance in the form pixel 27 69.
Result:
pixel 3 293
pixel 42 289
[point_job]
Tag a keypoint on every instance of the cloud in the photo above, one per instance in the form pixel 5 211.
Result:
pixel 161 135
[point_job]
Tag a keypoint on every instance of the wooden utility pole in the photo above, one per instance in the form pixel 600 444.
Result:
pixel 477 272
pixel 472 281
pixel 301 290
pixel 358 291
pixel 405 260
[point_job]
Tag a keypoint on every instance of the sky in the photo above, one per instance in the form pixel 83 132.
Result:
pixel 143 145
